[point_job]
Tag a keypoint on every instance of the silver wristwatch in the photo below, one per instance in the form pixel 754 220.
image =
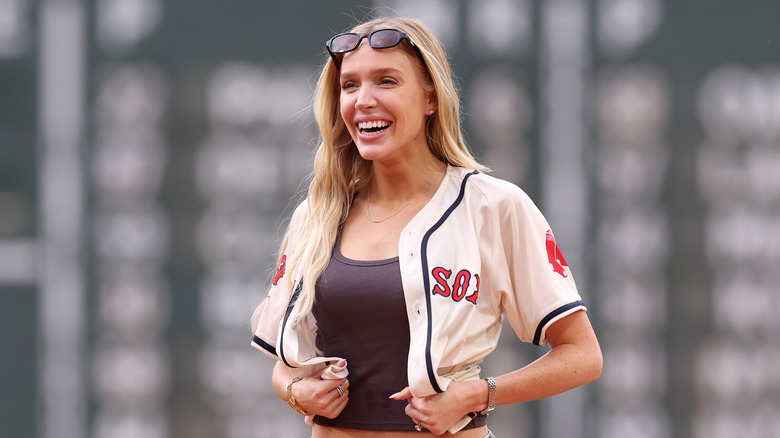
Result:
pixel 491 395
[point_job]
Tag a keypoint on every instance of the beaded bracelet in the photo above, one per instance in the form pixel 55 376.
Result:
pixel 291 399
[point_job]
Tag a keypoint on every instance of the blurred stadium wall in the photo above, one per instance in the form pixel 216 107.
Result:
pixel 150 151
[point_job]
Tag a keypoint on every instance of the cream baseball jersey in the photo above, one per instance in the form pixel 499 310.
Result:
pixel 478 251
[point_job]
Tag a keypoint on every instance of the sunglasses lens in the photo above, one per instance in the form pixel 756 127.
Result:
pixel 384 38
pixel 344 43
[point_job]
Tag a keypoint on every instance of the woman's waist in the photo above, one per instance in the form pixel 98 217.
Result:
pixel 336 432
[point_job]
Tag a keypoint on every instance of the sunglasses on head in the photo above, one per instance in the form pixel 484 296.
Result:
pixel 378 39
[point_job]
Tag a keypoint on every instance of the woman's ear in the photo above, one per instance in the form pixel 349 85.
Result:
pixel 433 104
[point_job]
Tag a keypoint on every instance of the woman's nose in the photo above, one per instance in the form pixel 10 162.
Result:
pixel 365 98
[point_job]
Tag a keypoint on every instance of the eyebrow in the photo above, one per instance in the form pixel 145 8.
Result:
pixel 377 72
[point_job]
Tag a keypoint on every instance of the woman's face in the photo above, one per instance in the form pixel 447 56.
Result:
pixel 384 104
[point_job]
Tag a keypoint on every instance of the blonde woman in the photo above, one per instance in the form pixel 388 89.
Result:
pixel 398 268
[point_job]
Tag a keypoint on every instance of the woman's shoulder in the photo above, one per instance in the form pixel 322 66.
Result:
pixel 301 210
pixel 490 189
pixel 298 218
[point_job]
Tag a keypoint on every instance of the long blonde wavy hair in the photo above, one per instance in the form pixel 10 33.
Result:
pixel 339 170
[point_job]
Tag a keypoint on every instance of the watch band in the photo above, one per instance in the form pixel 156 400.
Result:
pixel 491 395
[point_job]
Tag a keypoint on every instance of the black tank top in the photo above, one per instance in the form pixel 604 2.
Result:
pixel 361 316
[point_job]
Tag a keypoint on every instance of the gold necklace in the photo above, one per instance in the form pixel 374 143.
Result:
pixel 368 206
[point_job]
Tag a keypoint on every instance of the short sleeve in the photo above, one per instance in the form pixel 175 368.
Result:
pixel 268 316
pixel 530 272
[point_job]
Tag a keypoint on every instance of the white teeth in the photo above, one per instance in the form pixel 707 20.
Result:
pixel 373 124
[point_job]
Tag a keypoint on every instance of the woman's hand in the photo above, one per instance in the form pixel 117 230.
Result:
pixel 439 412
pixel 316 395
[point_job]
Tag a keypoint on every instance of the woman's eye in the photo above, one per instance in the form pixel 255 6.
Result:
pixel 388 81
pixel 348 85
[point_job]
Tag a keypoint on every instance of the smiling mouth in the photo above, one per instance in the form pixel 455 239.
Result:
pixel 374 127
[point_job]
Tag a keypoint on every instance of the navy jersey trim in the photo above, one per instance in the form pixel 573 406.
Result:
pixel 287 313
pixel 265 345
pixel 553 314
pixel 427 281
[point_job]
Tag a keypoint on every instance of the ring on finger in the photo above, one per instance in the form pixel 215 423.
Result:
pixel 417 426
pixel 340 390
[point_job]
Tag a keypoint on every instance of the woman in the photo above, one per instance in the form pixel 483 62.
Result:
pixel 397 270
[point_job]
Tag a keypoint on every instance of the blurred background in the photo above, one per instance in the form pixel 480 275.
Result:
pixel 151 152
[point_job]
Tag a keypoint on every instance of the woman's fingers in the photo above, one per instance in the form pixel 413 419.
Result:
pixel 321 396
pixel 334 401
pixel 429 413
pixel 403 394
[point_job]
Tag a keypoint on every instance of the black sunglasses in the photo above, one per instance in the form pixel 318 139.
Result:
pixel 378 39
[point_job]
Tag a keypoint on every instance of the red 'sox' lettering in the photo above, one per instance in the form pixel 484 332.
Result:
pixel 441 275
pixel 459 287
